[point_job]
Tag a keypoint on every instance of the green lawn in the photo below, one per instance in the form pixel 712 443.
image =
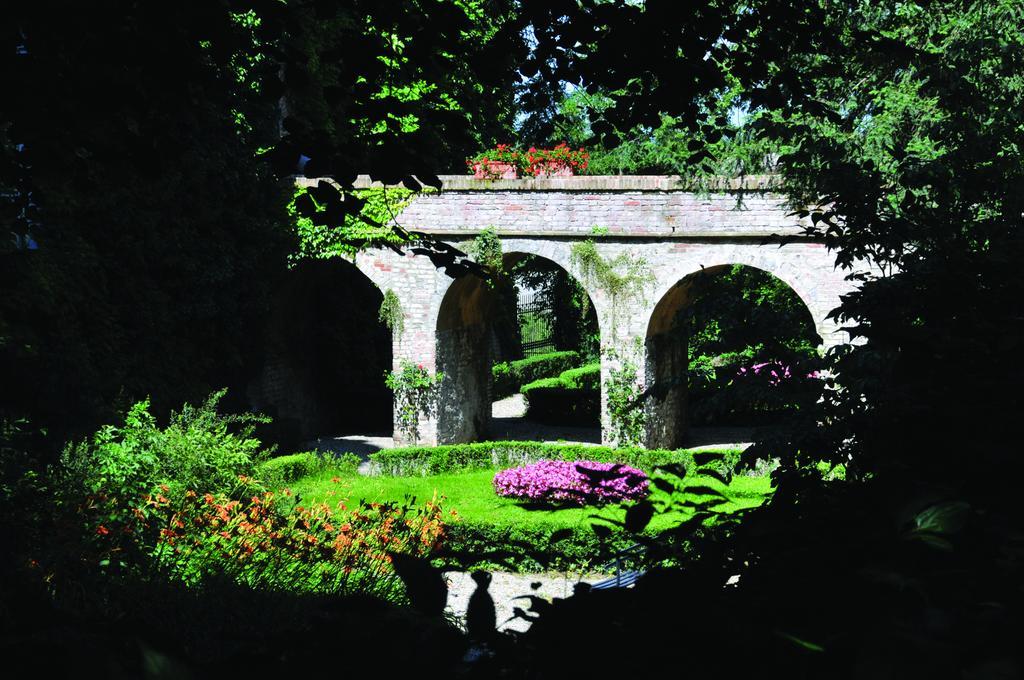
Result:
pixel 471 495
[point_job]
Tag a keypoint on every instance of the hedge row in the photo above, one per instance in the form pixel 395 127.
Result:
pixel 283 470
pixel 527 549
pixel 420 460
pixel 574 397
pixel 509 377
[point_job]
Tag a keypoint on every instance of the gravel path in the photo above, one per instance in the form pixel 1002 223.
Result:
pixel 506 587
pixel 360 444
pixel 508 422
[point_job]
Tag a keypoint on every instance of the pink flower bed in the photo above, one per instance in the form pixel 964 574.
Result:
pixel 582 482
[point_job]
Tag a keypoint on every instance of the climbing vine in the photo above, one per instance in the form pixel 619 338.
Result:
pixel 626 415
pixel 622 278
pixel 486 249
pixel 391 314
pixel 416 393
pixel 380 207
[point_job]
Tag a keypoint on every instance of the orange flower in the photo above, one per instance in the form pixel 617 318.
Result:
pixel 102 530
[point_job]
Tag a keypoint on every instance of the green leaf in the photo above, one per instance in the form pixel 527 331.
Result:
pixel 703 490
pixel 664 485
pixel 638 516
pixel 943 518
pixel 810 646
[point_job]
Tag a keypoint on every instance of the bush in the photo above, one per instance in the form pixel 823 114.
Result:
pixel 509 377
pixel 421 460
pixel 573 397
pixel 585 377
pixel 527 549
pixel 583 482
pixel 277 472
pixel 274 543
pixel 199 450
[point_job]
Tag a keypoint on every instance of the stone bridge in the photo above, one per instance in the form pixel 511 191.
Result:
pixel 678 232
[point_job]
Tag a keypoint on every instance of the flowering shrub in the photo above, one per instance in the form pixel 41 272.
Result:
pixel 773 370
pixel 505 162
pixel 583 482
pixel 270 541
pixel 501 162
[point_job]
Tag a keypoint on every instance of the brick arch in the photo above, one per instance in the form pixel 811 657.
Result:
pixel 676 294
pixel 667 358
pixel 815 286
pixel 368 262
pixel 659 219
pixel 558 251
pixel 324 354
pixel 567 268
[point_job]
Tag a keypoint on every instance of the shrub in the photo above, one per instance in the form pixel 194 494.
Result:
pixel 414 461
pixel 282 470
pixel 274 543
pixel 583 482
pixel 505 382
pixel 586 377
pixel 627 418
pixel 199 450
pixel 416 392
pixel 573 397
pixel 563 406
pixel 527 549
pixel 509 377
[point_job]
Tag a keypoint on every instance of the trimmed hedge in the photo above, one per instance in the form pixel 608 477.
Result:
pixel 420 460
pixel 283 470
pixel 527 549
pixel 586 377
pixel 573 397
pixel 509 377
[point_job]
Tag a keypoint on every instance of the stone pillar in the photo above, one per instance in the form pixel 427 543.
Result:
pixel 463 353
pixel 666 367
pixel 464 402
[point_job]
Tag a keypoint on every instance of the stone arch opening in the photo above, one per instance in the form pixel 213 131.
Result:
pixel 464 351
pixel 571 322
pixel 558 343
pixel 326 355
pixel 730 345
pixel 478 325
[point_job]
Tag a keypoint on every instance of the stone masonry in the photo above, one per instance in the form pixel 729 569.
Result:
pixel 677 231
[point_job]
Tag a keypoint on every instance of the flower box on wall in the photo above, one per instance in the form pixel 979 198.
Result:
pixel 552 169
pixel 504 162
pixel 495 170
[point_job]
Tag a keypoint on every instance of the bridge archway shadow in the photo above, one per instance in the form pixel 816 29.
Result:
pixel 326 356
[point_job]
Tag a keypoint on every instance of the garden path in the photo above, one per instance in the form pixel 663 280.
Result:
pixel 509 423
pixel 505 587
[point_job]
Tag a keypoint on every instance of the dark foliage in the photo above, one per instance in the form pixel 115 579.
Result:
pixel 159 232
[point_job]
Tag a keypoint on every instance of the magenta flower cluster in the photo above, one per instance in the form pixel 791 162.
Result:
pixel 581 482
